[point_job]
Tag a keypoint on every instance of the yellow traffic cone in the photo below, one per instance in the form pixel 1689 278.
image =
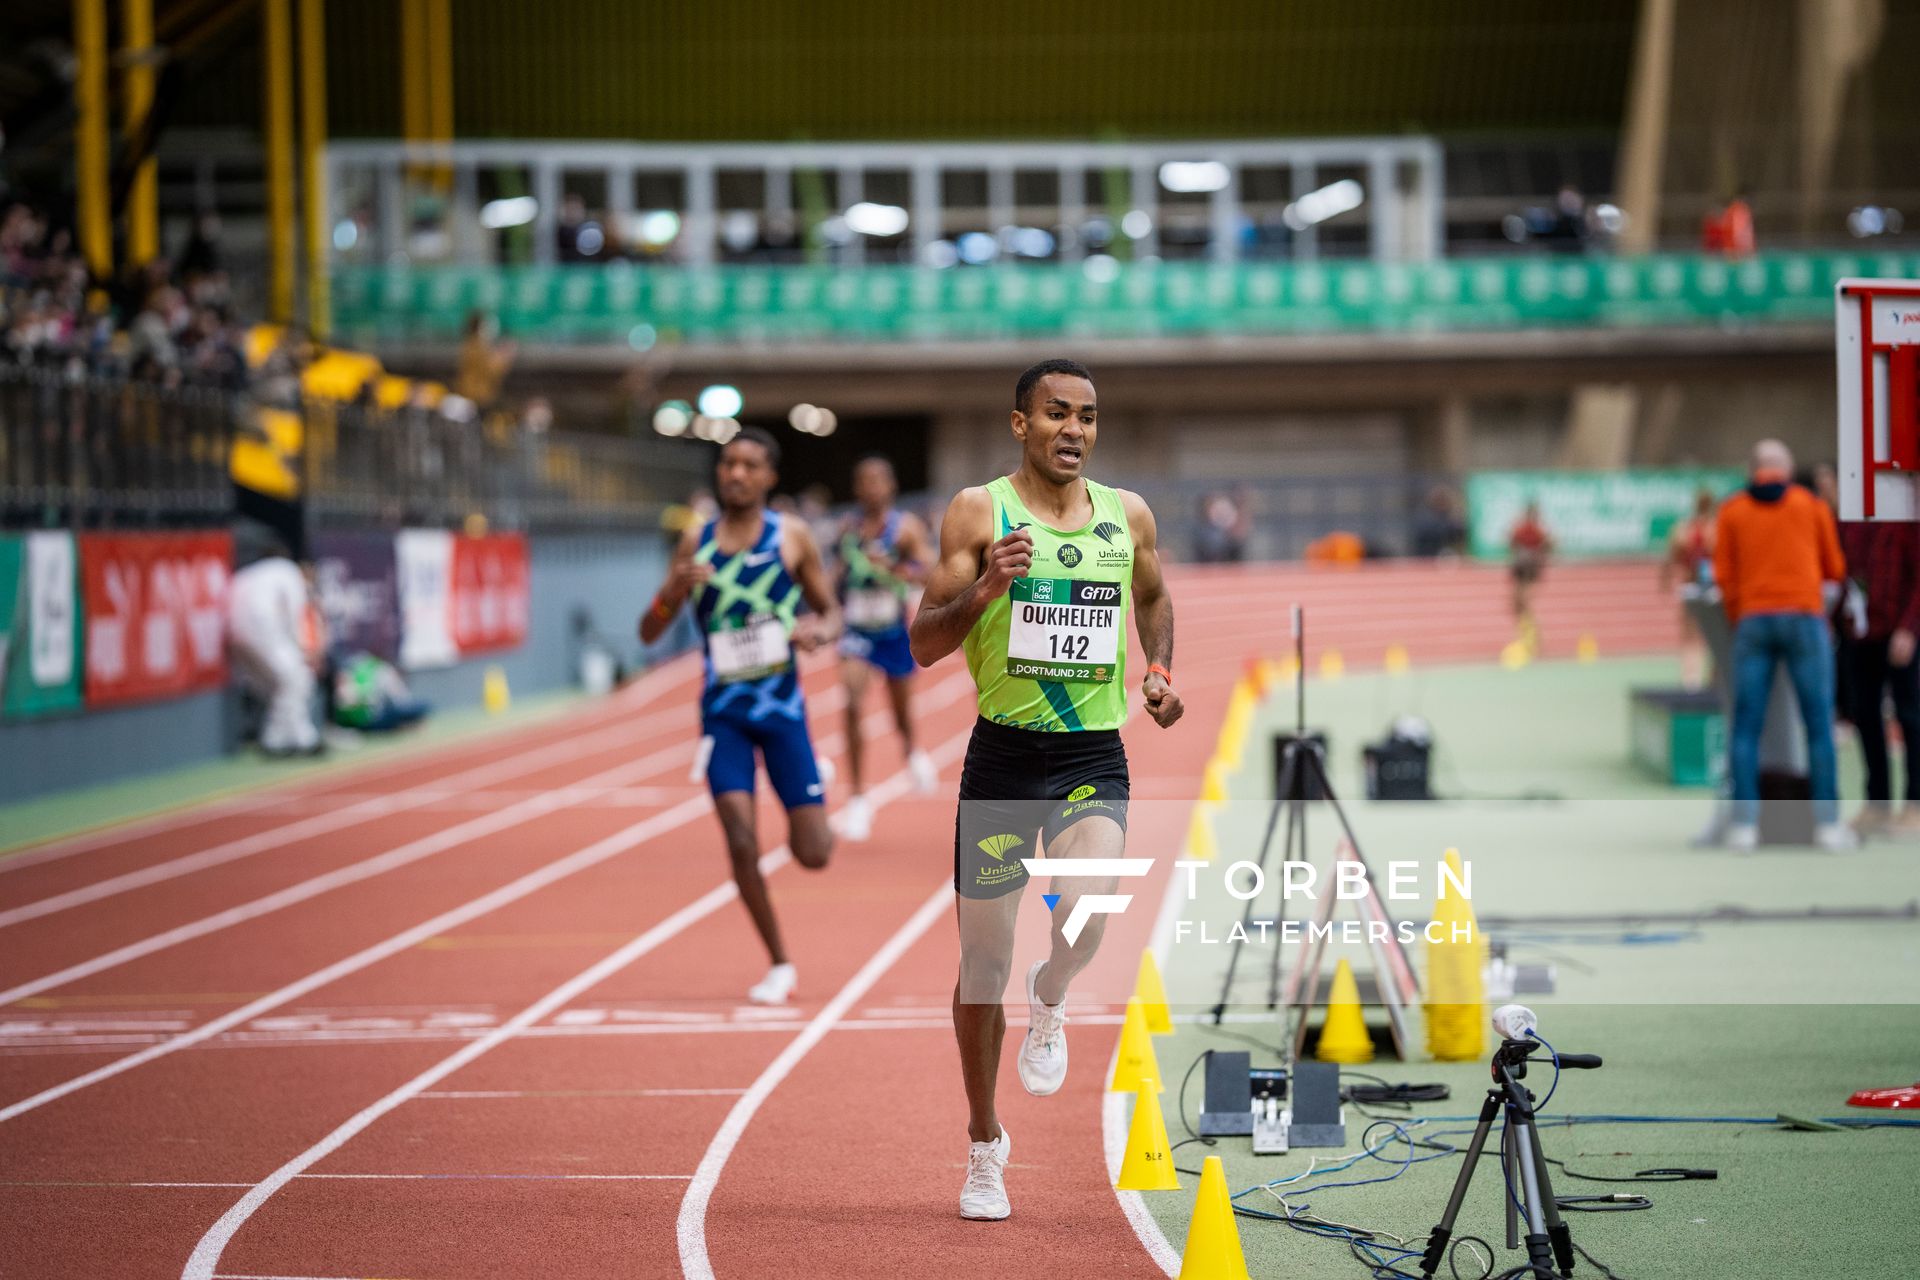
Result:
pixel 1396 661
pixel 1200 842
pixel 1588 649
pixel 1148 1163
pixel 1456 984
pixel 1136 1062
pixel 1213 783
pixel 1213 1241
pixel 493 690
pixel 1344 1037
pixel 1332 665
pixel 1152 996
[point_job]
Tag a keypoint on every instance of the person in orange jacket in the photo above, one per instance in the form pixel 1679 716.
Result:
pixel 1776 549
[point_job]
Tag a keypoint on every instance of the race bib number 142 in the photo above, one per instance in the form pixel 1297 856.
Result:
pixel 1063 629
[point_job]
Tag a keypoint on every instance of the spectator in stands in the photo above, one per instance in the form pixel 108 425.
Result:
pixel 484 361
pixel 1438 527
pixel 273 633
pixel 1776 550
pixel 1883 561
pixel 1728 230
pixel 1687 567
pixel 1224 526
pixel 1529 546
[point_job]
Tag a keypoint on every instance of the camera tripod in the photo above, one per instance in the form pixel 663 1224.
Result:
pixel 1303 775
pixel 1548 1242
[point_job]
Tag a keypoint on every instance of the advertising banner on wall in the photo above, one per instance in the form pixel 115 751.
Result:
pixel 358 580
pixel 41 670
pixel 491 595
pixel 155 614
pixel 425 562
pixel 1590 513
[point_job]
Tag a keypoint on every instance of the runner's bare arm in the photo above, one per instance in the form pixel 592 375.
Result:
pixel 810 570
pixel 1152 611
pixel 915 558
pixel 971 572
pixel 682 578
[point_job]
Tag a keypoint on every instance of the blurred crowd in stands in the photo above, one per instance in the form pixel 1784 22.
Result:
pixel 169 324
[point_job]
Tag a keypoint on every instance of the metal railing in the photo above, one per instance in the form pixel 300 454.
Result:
pixel 412 466
pixel 426 201
pixel 86 452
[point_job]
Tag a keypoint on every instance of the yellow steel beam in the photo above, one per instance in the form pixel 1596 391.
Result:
pixel 277 89
pixel 313 145
pixel 143 200
pixel 91 184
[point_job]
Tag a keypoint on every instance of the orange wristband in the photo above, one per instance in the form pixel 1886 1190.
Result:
pixel 1162 672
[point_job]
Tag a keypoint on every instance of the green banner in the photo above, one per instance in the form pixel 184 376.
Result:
pixel 639 305
pixel 40 670
pixel 1590 513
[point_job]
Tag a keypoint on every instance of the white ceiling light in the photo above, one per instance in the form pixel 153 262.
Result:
pixel 514 211
pixel 1186 176
pixel 803 418
pixel 824 424
pixel 672 419
pixel 869 219
pixel 720 401
pixel 1329 201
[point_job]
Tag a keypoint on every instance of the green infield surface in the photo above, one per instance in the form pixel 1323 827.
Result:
pixel 1717 987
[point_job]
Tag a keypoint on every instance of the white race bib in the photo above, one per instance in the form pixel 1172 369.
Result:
pixel 1063 629
pixel 757 647
pixel 873 609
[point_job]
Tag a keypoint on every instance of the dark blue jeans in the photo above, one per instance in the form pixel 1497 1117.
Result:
pixel 1800 640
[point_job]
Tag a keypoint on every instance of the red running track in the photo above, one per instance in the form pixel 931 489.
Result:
pixel 478 1012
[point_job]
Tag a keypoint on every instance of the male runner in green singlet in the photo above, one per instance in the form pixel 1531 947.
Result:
pixel 1034 579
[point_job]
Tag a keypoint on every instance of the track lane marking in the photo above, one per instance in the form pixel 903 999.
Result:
pixel 206 1254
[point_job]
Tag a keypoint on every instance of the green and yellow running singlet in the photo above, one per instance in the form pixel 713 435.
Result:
pixel 1051 654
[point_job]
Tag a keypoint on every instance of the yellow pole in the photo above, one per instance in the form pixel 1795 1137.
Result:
pixel 277 87
pixel 416 124
pixel 313 144
pixel 143 201
pixel 439 63
pixel 92 214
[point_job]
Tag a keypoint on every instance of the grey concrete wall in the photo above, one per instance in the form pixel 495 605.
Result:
pixel 610 576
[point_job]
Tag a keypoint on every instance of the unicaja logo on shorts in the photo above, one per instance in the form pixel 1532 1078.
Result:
pixel 1069 555
pixel 996 847
pixel 1088 905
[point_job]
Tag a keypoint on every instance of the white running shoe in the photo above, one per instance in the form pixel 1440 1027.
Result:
pixel 926 775
pixel 984 1195
pixel 1836 837
pixel 1742 838
pixel 776 986
pixel 856 820
pixel 1043 1054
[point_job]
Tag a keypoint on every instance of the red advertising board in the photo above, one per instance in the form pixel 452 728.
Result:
pixel 156 613
pixel 491 593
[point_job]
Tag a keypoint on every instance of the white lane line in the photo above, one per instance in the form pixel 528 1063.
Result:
pixel 206 1254
pixel 642 691
pixel 494 1177
pixel 583 1093
pixel 598 852
pixel 1115 1115
pixel 335 819
pixel 413 851
pixel 695 1264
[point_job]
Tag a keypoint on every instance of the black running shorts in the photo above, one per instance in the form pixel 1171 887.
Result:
pixel 1021 788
